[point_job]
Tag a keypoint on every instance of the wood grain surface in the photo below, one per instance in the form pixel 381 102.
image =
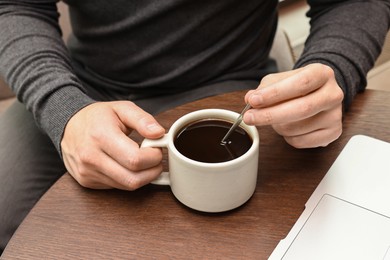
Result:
pixel 71 222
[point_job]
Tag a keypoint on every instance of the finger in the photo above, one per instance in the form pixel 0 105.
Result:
pixel 271 79
pixel 275 77
pixel 289 111
pixel 102 172
pixel 136 118
pixel 247 95
pixel 87 177
pixel 99 181
pixel 128 154
pixel 122 178
pixel 325 119
pixel 300 84
pixel 319 138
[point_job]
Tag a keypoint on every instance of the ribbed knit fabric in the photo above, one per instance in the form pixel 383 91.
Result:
pixel 142 48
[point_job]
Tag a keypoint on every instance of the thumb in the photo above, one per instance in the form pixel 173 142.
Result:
pixel 136 118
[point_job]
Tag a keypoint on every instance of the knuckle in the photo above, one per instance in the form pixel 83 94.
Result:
pixel 334 117
pixel 327 71
pixel 268 117
pixel 133 183
pixel 97 134
pixel 304 81
pixel 275 93
pixel 123 104
pixel 86 157
pixel 306 108
pixel 83 173
pixel 337 131
pixel 338 96
pixel 83 177
pixel 130 104
pixel 295 142
pixel 85 183
pixel 134 162
pixel 268 79
pixel 139 179
pixel 283 129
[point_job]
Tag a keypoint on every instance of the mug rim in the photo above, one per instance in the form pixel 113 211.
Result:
pixel 218 114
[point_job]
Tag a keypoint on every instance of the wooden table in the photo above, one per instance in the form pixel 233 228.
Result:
pixel 71 222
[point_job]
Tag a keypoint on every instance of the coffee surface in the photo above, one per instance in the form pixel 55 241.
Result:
pixel 201 141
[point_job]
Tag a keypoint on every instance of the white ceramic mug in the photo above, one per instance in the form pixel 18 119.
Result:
pixel 209 187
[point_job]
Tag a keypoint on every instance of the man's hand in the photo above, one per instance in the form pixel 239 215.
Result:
pixel 302 105
pixel 98 153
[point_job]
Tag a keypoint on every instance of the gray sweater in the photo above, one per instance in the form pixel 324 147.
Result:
pixel 144 48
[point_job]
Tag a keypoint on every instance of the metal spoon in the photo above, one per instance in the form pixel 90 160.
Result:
pixel 235 125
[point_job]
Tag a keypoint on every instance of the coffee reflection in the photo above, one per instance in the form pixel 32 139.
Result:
pixel 201 141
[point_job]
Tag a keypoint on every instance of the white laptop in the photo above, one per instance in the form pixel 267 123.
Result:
pixel 348 215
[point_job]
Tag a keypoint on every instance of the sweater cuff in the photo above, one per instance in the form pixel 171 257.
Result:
pixel 349 93
pixel 59 107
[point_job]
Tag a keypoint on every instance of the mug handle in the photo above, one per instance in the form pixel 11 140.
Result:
pixel 162 142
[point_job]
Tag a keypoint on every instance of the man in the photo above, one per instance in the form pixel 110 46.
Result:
pixel 130 59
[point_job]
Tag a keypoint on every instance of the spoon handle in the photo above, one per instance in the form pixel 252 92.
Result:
pixel 236 123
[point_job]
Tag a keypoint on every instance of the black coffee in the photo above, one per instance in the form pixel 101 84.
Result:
pixel 201 141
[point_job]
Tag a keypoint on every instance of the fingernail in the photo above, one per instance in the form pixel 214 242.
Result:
pixel 256 99
pixel 248 118
pixel 154 127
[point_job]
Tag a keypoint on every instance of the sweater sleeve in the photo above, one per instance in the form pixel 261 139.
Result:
pixel 347 36
pixel 36 65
